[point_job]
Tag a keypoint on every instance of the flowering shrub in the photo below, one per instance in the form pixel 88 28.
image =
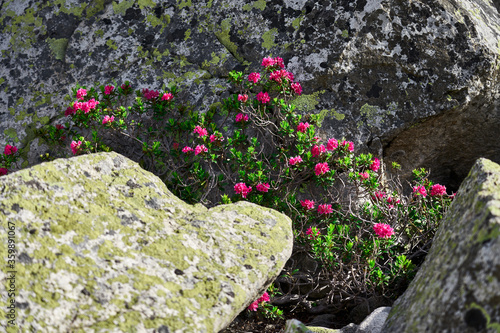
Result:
pixel 370 236
pixel 8 158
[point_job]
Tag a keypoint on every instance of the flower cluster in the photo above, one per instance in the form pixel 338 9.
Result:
pixel 263 187
pixel 321 168
pixel 108 90
pixel 240 117
pixel 150 94
pixel 438 190
pixel 84 106
pixel 263 97
pixel 201 131
pixel 108 119
pixel 9 150
pixel 295 160
pixel 264 298
pixel 420 190
pixel 302 127
pixel 383 230
pixel 307 204
pixel 75 147
pixel 375 164
pixel 325 209
pixel 312 233
pixel 242 189
pixel 167 97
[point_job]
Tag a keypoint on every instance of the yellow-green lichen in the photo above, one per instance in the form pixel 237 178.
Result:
pixel 296 23
pixel 121 8
pixel 223 36
pixel 111 44
pixel 307 103
pixel 329 113
pixel 268 38
pixel 184 3
pixel 58 47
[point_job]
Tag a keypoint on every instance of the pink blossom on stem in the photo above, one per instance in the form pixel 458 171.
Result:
pixel 263 187
pixel 312 233
pixel 9 150
pixel 242 189
pixel 332 144
pixel 383 230
pixel 379 195
pixel 307 204
pixel 349 144
pixel 297 88
pixel 167 97
pixel 279 61
pixel 264 298
pixel 318 150
pixel 108 90
pixel 201 131
pixel 241 117
pixel 81 93
pixel 325 209
pixel 254 77
pixel 375 164
pixel 108 119
pixel 3 171
pixel 302 127
pixel 438 190
pixel 175 145
pixel 316 139
pixel 200 149
pixel 263 97
pixel 364 175
pixel 268 62
pixel 59 126
pixel 243 98
pixel 75 146
pixel 187 149
pixel 253 306
pixel 321 168
pixel 150 94
pixel 420 190
pixel 295 160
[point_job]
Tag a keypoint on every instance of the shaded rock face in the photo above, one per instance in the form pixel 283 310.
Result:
pixel 458 287
pixel 414 81
pixel 104 246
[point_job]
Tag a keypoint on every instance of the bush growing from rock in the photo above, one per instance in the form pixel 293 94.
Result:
pixel 365 233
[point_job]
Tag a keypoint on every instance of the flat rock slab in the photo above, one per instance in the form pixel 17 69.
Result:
pixel 457 289
pixel 102 245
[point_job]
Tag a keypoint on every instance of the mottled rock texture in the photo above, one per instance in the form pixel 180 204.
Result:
pixel 104 246
pixel 416 81
pixel 457 289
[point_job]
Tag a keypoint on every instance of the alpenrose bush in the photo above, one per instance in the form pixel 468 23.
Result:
pixel 9 158
pixel 364 232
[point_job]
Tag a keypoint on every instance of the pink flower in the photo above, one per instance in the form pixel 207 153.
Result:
pixel 167 97
pixel 69 111
pixel 125 86
pixel 108 119
pixel 9 150
pixel 215 137
pixel 279 61
pixel 375 164
pixel 263 187
pixel 297 88
pixel 302 127
pixel 321 168
pixel 241 117
pixel 75 147
pixel 200 149
pixel 318 150
pixel 254 77
pixel 316 139
pixel 437 190
pixel 85 107
pixel 349 144
pixel 264 298
pixel 332 144
pixel 307 204
pixel 187 149
pixel 93 103
pixel 150 94
pixel 81 93
pixel 383 230
pixel 201 131
pixel 295 160
pixel 420 190
pixel 325 209
pixel 3 171
pixel 243 98
pixel 175 145
pixel 379 195
pixel 312 233
pixel 267 62
pixel 263 97
pixel 59 126
pixel 108 90
pixel 253 306
pixel 364 175
pixel 281 74
pixel 242 189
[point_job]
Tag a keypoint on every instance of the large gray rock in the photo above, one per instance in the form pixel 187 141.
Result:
pixel 457 289
pixel 102 245
pixel 415 81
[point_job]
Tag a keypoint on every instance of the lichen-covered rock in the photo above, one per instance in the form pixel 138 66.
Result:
pixel 102 245
pixel 416 80
pixel 457 289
